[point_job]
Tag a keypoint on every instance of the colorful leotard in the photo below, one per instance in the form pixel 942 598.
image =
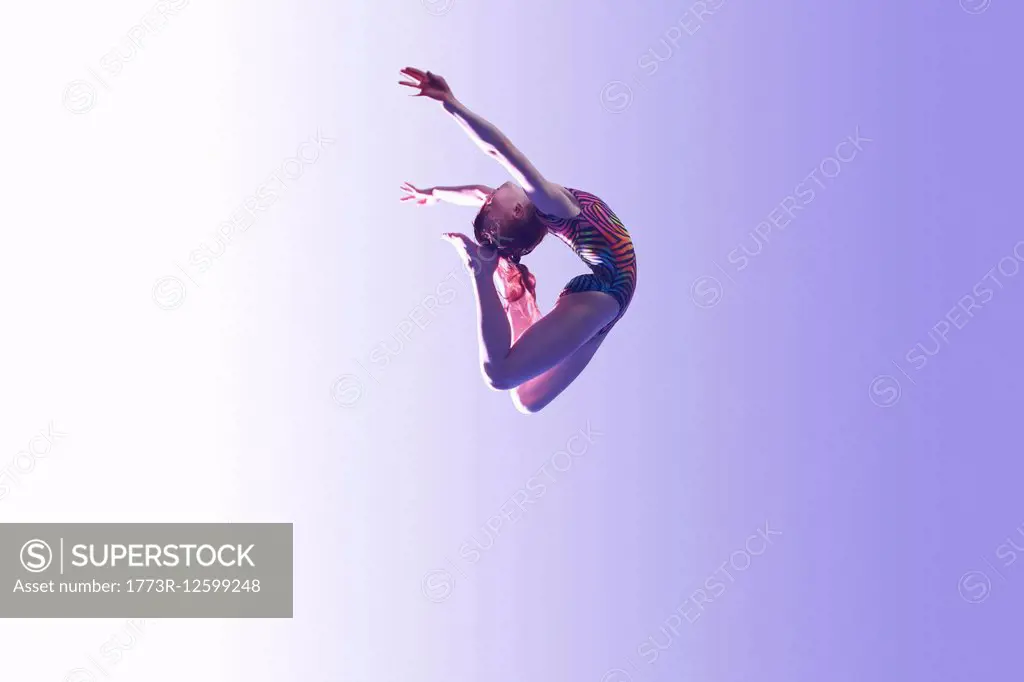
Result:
pixel 600 239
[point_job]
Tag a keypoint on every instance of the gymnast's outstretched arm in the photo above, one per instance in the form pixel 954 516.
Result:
pixel 461 195
pixel 548 196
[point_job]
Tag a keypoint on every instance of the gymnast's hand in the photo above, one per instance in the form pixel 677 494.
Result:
pixel 482 261
pixel 429 85
pixel 422 197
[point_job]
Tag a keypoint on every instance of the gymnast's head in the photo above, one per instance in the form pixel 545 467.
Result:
pixel 508 223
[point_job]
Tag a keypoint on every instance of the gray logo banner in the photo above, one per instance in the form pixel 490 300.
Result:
pixel 146 570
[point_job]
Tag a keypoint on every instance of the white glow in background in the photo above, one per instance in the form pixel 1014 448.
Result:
pixel 117 179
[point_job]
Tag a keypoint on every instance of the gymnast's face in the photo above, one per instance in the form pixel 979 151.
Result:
pixel 507 206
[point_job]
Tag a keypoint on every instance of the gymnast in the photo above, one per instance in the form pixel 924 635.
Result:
pixel 535 357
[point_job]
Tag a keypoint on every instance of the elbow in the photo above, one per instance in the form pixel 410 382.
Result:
pixel 492 151
pixel 494 144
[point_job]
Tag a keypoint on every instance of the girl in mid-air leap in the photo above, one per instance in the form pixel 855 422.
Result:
pixel 534 357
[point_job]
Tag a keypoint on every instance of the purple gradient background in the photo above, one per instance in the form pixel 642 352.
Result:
pixel 714 420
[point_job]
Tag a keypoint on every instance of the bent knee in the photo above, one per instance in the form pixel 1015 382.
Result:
pixel 525 405
pixel 496 379
pixel 529 400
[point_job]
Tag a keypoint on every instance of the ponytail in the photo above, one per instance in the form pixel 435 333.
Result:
pixel 516 278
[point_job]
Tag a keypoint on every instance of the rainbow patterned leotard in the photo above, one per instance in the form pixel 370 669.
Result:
pixel 598 237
